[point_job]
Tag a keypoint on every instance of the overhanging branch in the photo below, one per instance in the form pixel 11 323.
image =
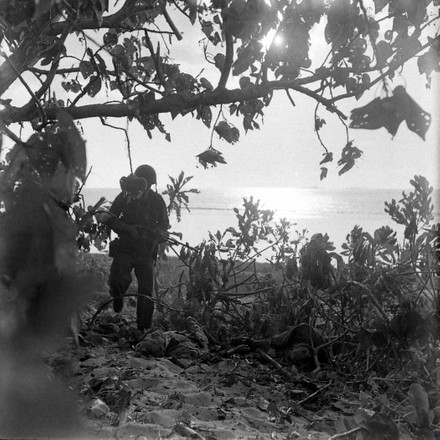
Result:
pixel 172 104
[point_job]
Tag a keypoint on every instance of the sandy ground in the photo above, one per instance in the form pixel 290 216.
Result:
pixel 125 393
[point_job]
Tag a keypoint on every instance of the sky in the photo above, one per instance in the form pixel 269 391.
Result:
pixel 285 152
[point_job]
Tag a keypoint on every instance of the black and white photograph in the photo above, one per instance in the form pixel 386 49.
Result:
pixel 220 219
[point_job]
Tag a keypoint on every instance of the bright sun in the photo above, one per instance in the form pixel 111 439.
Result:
pixel 271 38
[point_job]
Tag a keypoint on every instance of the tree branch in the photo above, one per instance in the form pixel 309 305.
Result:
pixel 229 58
pixel 173 103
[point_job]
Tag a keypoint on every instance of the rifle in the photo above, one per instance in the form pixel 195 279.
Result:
pixel 164 237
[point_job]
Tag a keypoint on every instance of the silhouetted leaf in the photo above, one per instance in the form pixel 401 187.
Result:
pixel 210 157
pixel 206 84
pixel 247 56
pixel 417 119
pixel 86 68
pixel 379 5
pixel 348 157
pixel 430 61
pixel 204 113
pixel 389 112
pixel 94 86
pixel 328 157
pixel 383 52
pixel 227 132
pixel 219 61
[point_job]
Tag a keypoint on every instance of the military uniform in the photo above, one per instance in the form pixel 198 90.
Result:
pixel 136 248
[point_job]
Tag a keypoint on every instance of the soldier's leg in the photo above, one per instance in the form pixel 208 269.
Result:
pixel 145 307
pixel 120 278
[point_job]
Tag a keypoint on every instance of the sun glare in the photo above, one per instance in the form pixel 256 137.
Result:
pixel 278 40
pixel 272 39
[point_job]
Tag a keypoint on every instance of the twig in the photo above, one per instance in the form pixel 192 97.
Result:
pixel 127 139
pixel 156 58
pixel 269 359
pixel 313 395
pixel 345 434
pixel 85 180
pixel 215 123
pixel 290 98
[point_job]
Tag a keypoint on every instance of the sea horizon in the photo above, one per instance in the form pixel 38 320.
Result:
pixel 331 211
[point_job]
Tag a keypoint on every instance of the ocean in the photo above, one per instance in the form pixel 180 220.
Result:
pixel 331 211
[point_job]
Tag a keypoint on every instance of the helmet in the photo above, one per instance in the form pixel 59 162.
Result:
pixel 148 173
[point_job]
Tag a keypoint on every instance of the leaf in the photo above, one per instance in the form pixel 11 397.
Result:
pixel 337 30
pixel 324 172
pixel 430 61
pixel 384 51
pixel 205 114
pixel 348 157
pixel 94 85
pixel 381 427
pixel 86 69
pixel 206 84
pixel 417 119
pixel 340 76
pixel 247 56
pixel 219 61
pixel 419 398
pixel 98 14
pixel 191 6
pixel 227 132
pixel 328 157
pixel 379 5
pixel 386 112
pixel 212 157
pixel 319 123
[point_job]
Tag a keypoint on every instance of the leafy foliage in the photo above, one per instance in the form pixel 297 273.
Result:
pixel 133 69
pixel 178 197
pixel 375 303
